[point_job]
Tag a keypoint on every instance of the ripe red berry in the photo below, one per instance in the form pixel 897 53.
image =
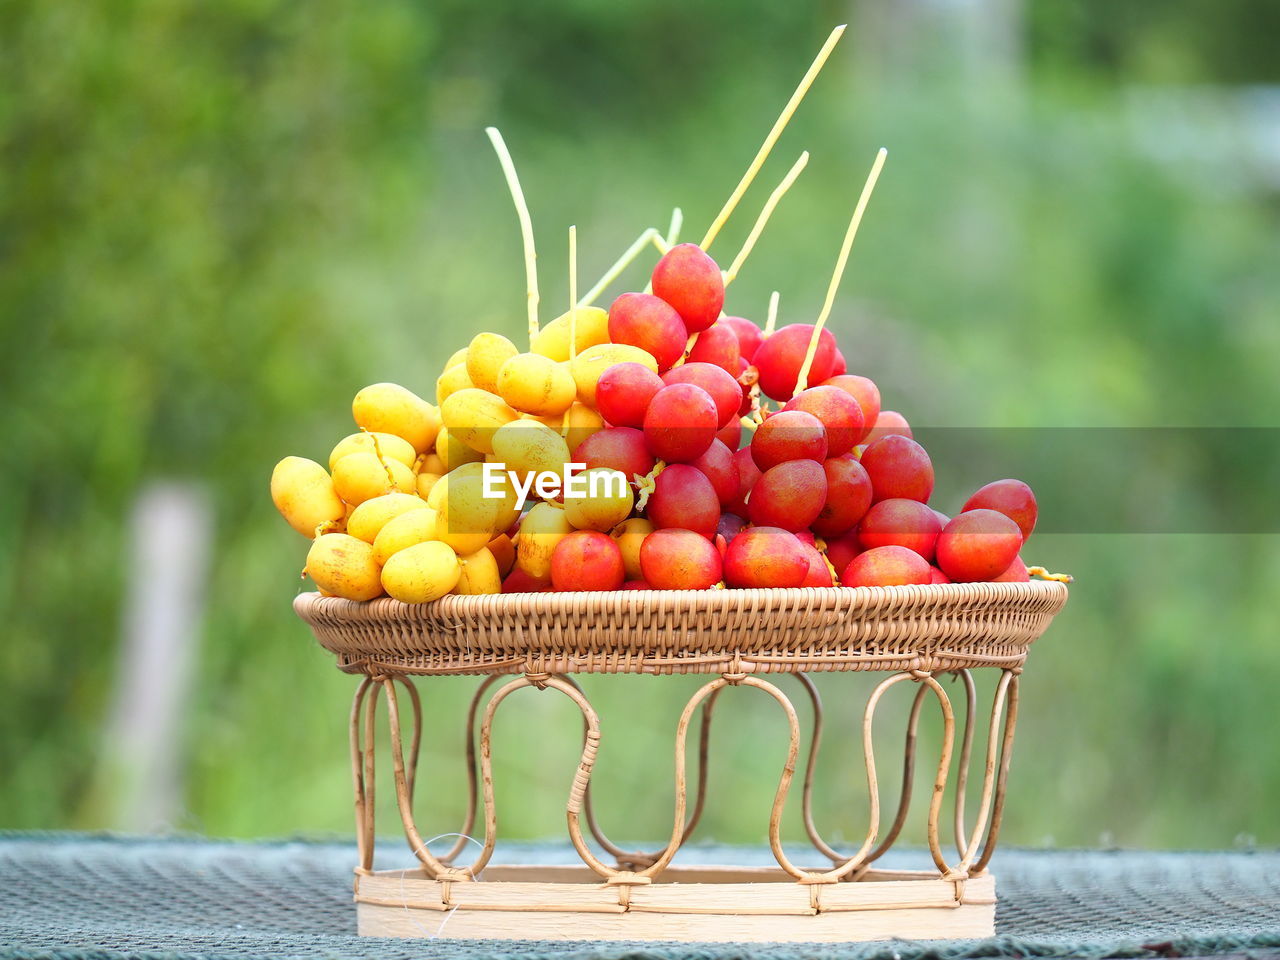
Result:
pixel 624 391
pixel 691 282
pixel 978 545
pixel 680 423
pixel 789 435
pixel 1013 498
pixel 899 468
pixel 886 567
pixel 586 560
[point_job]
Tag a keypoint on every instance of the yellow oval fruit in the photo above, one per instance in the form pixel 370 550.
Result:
pixel 400 532
pixel 598 499
pixel 453 453
pixel 372 515
pixel 362 476
pixel 629 535
pixel 480 574
pixel 582 422
pixel 425 481
pixel 587 366
pixel 303 492
pixel 504 553
pixel 344 566
pixel 453 379
pixel 459 356
pixel 592 328
pixel 541 529
pixel 528 446
pixel 472 415
pixel 532 383
pixel 469 518
pixel 485 357
pixel 387 445
pixel 421 573
pixel 391 408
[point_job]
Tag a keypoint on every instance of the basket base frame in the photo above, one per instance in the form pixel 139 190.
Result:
pixel 689 904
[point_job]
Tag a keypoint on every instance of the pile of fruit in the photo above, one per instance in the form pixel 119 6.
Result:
pixel 660 444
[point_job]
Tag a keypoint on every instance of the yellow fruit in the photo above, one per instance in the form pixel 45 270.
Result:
pixel 533 383
pixel 459 356
pixel 344 566
pixel 587 366
pixel 430 463
pixel 421 573
pixel 453 379
pixel 362 476
pixel 304 494
pixel 583 422
pixel 413 526
pixel 485 357
pixel 480 574
pixel 629 535
pixel 425 481
pixel 452 452
pixel 468 518
pixel 372 515
pixel 541 529
pixel 553 339
pixel 528 446
pixel 390 408
pixel 610 505
pixel 472 415
pixel 388 445
pixel 504 553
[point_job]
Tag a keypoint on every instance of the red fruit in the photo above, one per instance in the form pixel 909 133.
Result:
pixel 889 423
pixel 900 523
pixel 679 560
pixel 848 497
pixel 681 422
pixel 748 474
pixel 717 344
pixel 730 526
pixel 790 495
pixel 942 517
pixel 863 390
pixel 749 336
pixel 636 585
pixel 721 469
pixel 586 560
pixel 765 557
pixel 837 410
pixel 840 365
pixel 683 497
pixel 731 434
pixel 899 468
pixel 619 448
pixel 518 581
pixel 624 391
pixel 650 323
pixel 1017 573
pixel 690 281
pixel 978 545
pixel 937 576
pixel 886 567
pixel 842 550
pixel 819 574
pixel 789 435
pixel 780 357
pixel 1013 498
pixel 718 382
pixel 806 536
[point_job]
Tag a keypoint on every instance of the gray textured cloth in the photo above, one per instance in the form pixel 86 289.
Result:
pixel 64 896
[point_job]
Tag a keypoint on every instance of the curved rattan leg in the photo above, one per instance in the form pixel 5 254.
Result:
pixel 362 777
pixel 908 779
pixel 1009 681
pixel 944 771
pixel 811 763
pixel 473 775
pixel 404 801
pixel 966 750
pixel 416 743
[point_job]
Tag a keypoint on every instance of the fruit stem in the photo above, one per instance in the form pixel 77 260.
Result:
pixel 526 227
pixel 771 320
pixel 802 380
pixel 1044 574
pixel 573 291
pixel 778 126
pixel 619 265
pixel 765 213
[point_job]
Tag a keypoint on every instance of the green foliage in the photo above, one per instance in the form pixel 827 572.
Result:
pixel 219 221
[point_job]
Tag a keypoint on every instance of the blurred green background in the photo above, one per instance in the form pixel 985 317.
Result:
pixel 220 221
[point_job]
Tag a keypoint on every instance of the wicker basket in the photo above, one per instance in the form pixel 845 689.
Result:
pixel 912 634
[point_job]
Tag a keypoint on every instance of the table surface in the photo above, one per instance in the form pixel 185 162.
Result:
pixel 75 895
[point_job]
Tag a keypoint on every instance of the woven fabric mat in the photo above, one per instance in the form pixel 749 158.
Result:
pixel 67 896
